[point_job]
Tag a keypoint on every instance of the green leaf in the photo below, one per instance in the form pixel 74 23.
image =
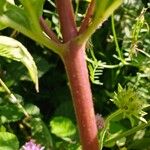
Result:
pixel 13 16
pixel 116 127
pixel 33 10
pixel 10 113
pixel 32 110
pixel 121 142
pixel 62 127
pixel 104 8
pixel 40 132
pixel 14 50
pixel 2 129
pixel 11 1
pixel 142 144
pixel 73 146
pixel 2 26
pixel 8 141
pixel 26 21
pixel 2 3
pixel 42 64
pixel 35 5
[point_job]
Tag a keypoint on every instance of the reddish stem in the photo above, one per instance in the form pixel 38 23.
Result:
pixel 77 72
pixel 66 17
pixel 88 17
pixel 75 64
pixel 48 30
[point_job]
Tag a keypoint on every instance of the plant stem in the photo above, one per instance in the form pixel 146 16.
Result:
pixel 127 133
pixel 97 21
pixel 77 7
pixel 13 98
pixel 66 18
pixel 103 132
pixel 42 39
pixel 75 64
pixel 88 16
pixel 115 39
pixel 48 31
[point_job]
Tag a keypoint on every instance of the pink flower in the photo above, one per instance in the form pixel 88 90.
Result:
pixel 99 121
pixel 31 145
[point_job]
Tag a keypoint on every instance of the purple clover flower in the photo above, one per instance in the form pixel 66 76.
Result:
pixel 31 145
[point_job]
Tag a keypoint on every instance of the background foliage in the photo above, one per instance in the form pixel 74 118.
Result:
pixel 118 53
